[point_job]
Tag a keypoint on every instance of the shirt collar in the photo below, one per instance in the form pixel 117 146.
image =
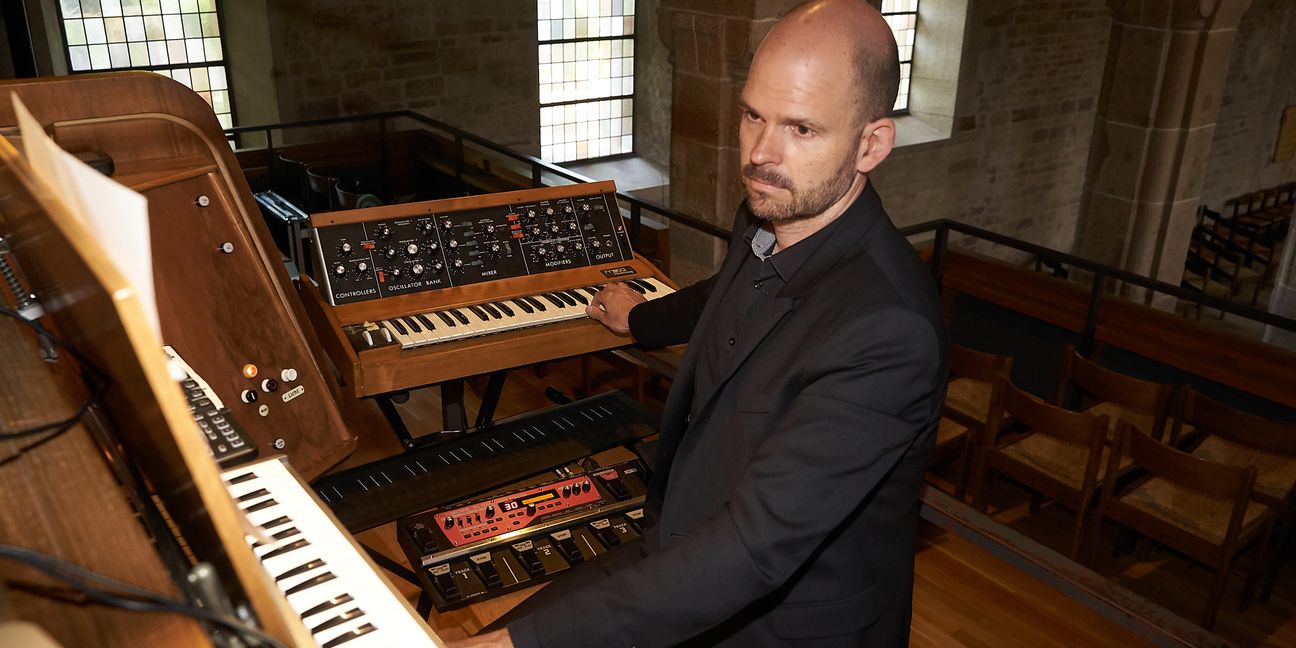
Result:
pixel 761 239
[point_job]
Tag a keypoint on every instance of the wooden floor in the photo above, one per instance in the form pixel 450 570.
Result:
pixel 963 595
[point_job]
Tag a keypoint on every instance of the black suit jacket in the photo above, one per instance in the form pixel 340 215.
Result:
pixel 786 510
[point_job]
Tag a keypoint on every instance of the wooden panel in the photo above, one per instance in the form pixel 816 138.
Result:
pixel 1045 298
pixel 166 143
pixel 62 499
pixel 94 308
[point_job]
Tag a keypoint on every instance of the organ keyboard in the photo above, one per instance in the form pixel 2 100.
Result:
pixel 327 580
pixel 416 294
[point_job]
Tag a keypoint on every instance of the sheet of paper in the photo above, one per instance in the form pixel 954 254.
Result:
pixel 114 214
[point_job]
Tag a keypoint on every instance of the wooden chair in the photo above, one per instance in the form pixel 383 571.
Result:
pixel 1115 395
pixel 974 376
pixel 1201 508
pixel 1061 454
pixel 1236 438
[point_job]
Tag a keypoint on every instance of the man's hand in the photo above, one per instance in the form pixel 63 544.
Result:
pixel 497 639
pixel 611 307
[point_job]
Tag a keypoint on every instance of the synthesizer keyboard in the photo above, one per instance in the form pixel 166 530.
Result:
pixel 382 491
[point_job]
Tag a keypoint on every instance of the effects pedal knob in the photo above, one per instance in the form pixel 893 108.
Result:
pixel 531 509
pixel 449 522
pixel 490 510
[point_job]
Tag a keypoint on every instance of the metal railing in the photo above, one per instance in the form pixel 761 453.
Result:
pixel 537 168
pixel 636 206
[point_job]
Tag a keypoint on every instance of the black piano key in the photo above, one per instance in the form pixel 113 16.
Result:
pixel 577 296
pixel 260 492
pixel 301 569
pixel 535 303
pixel 279 521
pixel 490 310
pixel 413 324
pixel 286 533
pixel 353 613
pixel 647 285
pixel 591 290
pixel 291 546
pixel 310 582
pixel 328 605
pixel 481 314
pixel 449 321
pixel 522 303
pixel 427 323
pixel 399 327
pixel 265 503
pixel 463 319
pixel 242 478
pixel 504 307
pixel 565 297
pixel 635 287
pixel 552 300
pixel 348 636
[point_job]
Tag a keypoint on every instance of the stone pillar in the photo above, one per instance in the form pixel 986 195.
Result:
pixel 1166 67
pixel 711 44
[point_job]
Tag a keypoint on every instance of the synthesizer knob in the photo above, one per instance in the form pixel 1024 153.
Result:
pixel 490 229
pixel 567 208
pixel 339 270
pixel 495 247
pixel 596 243
pixel 446 223
pixel 542 251
pixel 579 246
pixel 454 243
pixel 395 273
pixel 433 247
pixel 417 269
pixel 561 248
pixel 530 213
pixel 573 226
pixel 585 207
pixel 449 521
pixel 362 266
pixel 554 228
pixel 390 253
pixel 438 266
pixel 458 263
pixel 549 211
pixel 535 230
pixel 412 249
pixel 382 232
pixel 345 248
pixel 428 227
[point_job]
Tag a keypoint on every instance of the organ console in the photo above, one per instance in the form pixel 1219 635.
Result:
pixel 415 294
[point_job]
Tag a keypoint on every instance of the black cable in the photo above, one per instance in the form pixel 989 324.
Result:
pixel 127 596
pixel 99 384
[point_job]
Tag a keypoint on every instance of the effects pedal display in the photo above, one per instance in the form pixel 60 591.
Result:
pixel 229 443
pixel 490 546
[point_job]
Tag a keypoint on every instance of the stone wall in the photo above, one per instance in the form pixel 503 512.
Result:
pixel 1261 82
pixel 470 64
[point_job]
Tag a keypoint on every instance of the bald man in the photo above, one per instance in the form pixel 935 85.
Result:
pixel 800 422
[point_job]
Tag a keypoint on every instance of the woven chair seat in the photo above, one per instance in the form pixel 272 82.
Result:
pixel 1115 412
pixel 969 397
pixel 1275 474
pixel 1063 461
pixel 1201 515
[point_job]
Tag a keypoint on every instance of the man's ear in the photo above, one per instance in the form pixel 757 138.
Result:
pixel 876 141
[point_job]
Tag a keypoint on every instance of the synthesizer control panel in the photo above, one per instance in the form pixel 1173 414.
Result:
pixel 429 246
pixel 471 551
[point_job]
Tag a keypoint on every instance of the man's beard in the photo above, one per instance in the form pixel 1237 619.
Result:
pixel 804 203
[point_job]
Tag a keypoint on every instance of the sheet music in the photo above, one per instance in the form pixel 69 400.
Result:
pixel 115 214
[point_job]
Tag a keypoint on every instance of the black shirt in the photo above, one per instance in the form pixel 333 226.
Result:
pixel 758 280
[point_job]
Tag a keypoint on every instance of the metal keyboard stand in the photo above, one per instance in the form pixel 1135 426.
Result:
pixel 454 416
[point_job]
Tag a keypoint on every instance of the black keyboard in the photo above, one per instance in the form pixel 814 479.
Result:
pixel 230 445
pixel 376 493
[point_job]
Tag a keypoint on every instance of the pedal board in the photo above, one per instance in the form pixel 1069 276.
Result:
pixel 482 548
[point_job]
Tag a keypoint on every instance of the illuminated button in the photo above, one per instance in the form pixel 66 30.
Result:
pixel 249 370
